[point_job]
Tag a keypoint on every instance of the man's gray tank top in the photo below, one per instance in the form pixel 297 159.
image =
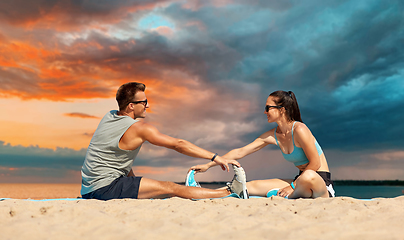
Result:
pixel 105 161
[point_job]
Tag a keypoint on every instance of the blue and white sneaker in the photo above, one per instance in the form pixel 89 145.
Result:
pixel 274 192
pixel 238 185
pixel 190 180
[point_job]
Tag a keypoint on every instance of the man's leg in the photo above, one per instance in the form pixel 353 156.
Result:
pixel 150 188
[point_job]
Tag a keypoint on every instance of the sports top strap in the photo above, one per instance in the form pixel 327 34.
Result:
pixel 293 140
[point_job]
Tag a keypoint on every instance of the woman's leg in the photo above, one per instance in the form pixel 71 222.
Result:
pixel 261 187
pixel 309 185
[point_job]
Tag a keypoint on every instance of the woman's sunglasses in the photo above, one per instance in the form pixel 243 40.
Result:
pixel 267 107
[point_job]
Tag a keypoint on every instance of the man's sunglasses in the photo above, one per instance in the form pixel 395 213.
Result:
pixel 144 102
pixel 267 107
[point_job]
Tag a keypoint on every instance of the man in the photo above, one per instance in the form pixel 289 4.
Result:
pixel 107 170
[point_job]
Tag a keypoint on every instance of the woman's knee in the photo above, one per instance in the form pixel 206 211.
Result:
pixel 308 177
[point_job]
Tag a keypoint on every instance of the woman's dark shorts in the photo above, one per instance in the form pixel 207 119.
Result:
pixel 326 176
pixel 122 187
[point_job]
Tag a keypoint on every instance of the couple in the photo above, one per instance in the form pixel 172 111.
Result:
pixel 107 169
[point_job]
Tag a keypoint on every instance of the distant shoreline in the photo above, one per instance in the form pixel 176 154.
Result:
pixel 336 183
pixel 340 183
pixel 369 182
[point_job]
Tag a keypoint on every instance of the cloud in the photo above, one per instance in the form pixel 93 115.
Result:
pixel 390 156
pixel 79 115
pixel 353 173
pixel 67 15
pixel 34 156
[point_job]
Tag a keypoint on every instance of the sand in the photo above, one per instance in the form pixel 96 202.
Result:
pixel 230 218
pixel 39 191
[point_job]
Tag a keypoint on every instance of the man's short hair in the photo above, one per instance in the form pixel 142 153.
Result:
pixel 126 93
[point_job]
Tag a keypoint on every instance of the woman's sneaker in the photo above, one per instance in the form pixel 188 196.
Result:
pixel 272 192
pixel 190 180
pixel 238 185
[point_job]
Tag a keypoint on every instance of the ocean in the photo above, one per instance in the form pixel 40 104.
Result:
pixel 366 192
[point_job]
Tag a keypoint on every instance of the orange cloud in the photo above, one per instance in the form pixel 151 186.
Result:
pixel 20 54
pixel 79 115
pixel 89 68
pixel 36 72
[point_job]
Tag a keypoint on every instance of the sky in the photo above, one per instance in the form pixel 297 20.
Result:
pixel 208 67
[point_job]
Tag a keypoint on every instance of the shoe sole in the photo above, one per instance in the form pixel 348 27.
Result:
pixel 186 179
pixel 188 176
pixel 244 194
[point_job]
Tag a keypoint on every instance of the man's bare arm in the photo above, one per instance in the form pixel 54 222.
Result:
pixel 150 133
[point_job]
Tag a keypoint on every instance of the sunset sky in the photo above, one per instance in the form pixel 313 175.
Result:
pixel 209 67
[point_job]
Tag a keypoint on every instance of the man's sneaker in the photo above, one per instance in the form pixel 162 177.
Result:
pixel 238 184
pixel 190 180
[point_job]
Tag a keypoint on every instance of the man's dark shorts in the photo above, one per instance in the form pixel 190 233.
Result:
pixel 122 187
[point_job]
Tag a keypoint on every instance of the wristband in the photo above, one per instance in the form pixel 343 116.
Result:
pixel 293 186
pixel 213 158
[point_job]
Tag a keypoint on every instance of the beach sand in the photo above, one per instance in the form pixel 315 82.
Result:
pixel 39 190
pixel 175 218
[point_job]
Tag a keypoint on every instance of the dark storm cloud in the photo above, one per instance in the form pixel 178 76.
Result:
pixel 36 157
pixel 298 53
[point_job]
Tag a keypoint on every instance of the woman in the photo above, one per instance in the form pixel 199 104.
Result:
pixel 297 144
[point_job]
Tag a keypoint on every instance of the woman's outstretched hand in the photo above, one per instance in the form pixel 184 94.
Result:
pixel 223 162
pixel 286 191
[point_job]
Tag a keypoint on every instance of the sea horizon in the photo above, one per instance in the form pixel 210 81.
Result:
pixel 339 182
pixel 396 182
